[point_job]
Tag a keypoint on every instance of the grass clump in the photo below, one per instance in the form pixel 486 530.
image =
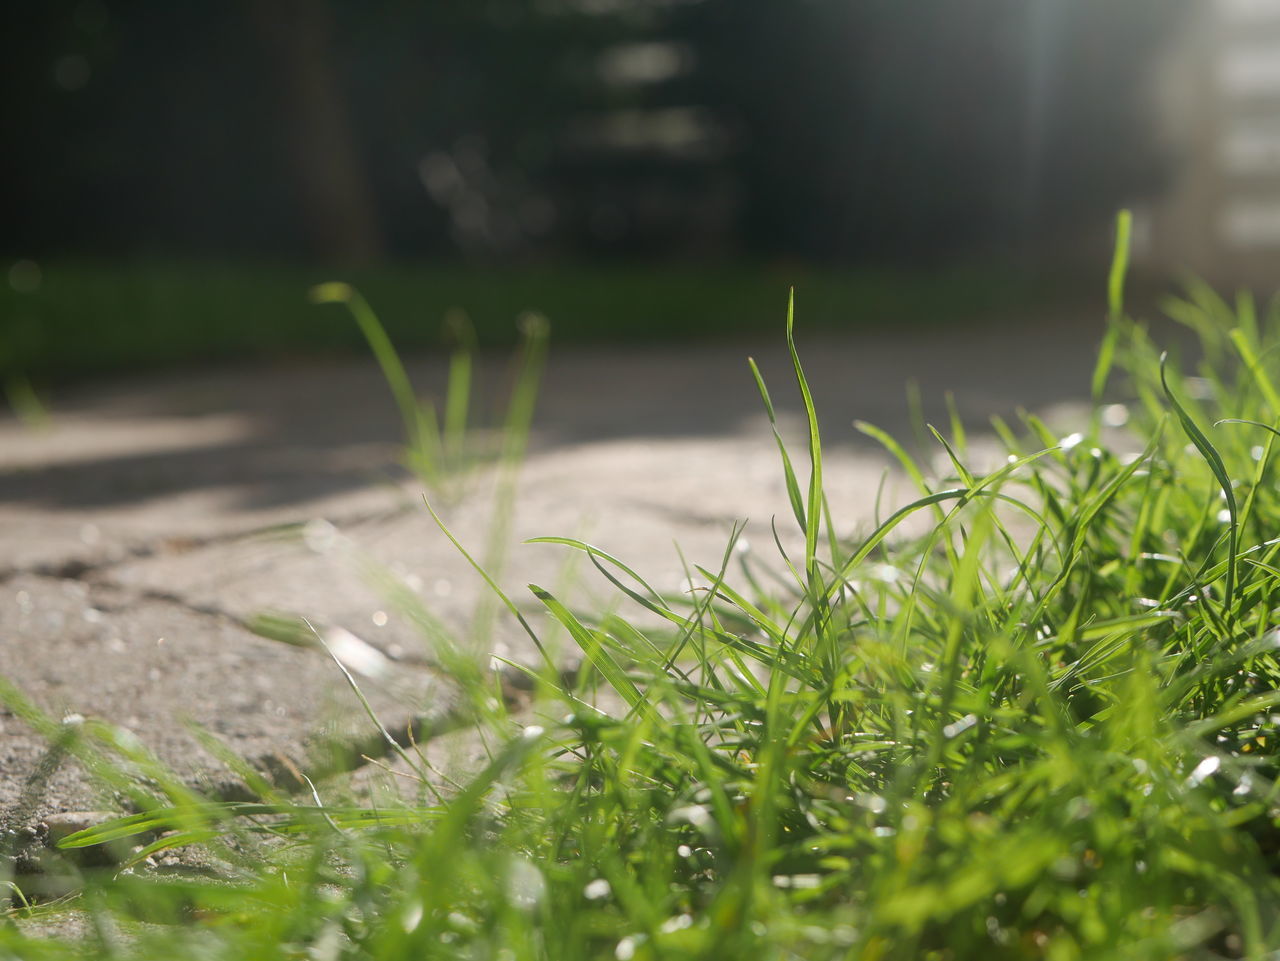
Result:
pixel 1033 713
pixel 439 447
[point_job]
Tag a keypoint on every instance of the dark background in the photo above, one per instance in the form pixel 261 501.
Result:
pixel 162 155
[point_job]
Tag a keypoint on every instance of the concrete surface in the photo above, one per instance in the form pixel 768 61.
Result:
pixel 151 519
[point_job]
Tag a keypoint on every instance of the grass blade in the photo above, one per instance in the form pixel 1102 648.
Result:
pixel 1214 460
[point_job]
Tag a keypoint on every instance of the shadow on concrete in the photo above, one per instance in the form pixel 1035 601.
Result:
pixel 322 429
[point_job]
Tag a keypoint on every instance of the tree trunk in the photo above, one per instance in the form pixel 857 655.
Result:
pixel 331 185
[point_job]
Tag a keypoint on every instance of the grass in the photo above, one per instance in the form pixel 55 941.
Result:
pixel 88 319
pixel 439 447
pixel 1033 713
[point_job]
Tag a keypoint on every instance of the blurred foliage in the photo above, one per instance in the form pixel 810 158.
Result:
pixel 878 128
pixel 875 129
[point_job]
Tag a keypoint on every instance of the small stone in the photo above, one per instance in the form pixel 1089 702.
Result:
pixel 59 826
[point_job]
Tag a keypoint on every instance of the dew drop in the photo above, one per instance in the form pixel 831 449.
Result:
pixel 1204 770
pixel 1115 415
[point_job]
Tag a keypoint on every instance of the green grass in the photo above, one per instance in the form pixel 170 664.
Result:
pixel 101 318
pixel 439 447
pixel 1044 724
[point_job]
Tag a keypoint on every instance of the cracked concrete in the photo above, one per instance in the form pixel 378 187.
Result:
pixel 151 521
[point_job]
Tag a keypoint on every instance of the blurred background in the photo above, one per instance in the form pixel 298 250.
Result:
pixel 175 176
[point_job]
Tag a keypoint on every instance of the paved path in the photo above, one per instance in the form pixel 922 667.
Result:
pixel 151 519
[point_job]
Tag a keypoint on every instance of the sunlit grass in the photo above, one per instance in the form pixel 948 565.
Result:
pixel 1045 727
pixel 441 447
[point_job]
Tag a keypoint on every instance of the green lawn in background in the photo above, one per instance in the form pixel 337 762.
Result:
pixel 99 318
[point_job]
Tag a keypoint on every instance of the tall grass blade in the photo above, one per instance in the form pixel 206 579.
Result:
pixel 1214 460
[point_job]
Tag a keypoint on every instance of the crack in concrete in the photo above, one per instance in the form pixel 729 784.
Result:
pixel 325 756
pixel 332 757
pixel 89 568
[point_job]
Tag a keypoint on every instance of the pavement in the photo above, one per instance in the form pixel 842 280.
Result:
pixel 151 520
